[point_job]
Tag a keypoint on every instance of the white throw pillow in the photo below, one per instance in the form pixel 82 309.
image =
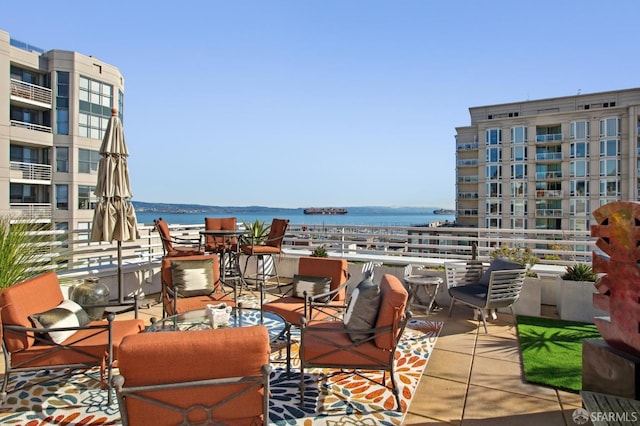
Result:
pixel 192 277
pixel 66 314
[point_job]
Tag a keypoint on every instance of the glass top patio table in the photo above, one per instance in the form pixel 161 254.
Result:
pixel 240 317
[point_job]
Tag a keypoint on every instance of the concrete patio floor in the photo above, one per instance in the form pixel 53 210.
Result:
pixel 474 378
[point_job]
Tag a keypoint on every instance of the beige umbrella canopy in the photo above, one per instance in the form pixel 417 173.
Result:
pixel 114 217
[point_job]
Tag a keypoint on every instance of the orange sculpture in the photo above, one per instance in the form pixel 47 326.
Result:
pixel 618 232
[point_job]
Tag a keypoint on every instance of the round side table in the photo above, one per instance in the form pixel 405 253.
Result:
pixel 428 284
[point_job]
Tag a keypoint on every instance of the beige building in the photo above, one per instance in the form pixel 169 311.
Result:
pixel 547 164
pixel 57 105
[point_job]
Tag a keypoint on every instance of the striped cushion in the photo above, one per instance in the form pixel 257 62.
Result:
pixel 66 314
pixel 192 277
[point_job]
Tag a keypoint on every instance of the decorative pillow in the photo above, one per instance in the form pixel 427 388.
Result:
pixel 312 285
pixel 362 311
pixel 498 264
pixel 192 277
pixel 66 314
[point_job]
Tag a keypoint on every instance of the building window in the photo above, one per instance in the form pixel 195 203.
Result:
pixel 579 207
pixel 494 136
pixel 519 134
pixel 96 99
pixel 494 155
pixel 579 168
pixel 62 197
pixel 494 172
pixel 493 222
pixel 579 224
pixel 88 161
pixel 518 208
pixel 62 159
pixel 579 130
pixel 609 167
pixel 518 153
pixel 609 148
pixel 609 127
pixel 518 171
pixel 86 198
pixel 579 188
pixel 609 187
pixel 494 207
pixel 519 189
pixel 63 238
pixel 579 150
pixel 494 189
pixel 62 103
pixel 518 223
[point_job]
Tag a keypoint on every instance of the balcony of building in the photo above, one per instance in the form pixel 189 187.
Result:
pixel 549 175
pixel 470 162
pixel 467 146
pixel 473 179
pixel 30 95
pixel 549 193
pixel 25 172
pixel 36 212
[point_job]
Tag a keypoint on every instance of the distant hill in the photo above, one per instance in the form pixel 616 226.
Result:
pixel 142 206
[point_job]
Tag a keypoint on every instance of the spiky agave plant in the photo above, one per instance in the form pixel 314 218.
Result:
pixel 579 272
pixel 22 245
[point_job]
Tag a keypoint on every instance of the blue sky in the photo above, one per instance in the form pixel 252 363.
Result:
pixel 326 103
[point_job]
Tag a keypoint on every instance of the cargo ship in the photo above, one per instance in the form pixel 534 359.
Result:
pixel 444 211
pixel 325 210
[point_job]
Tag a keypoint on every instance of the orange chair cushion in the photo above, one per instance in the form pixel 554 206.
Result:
pixel 184 304
pixel 337 269
pixel 95 344
pixel 317 350
pixel 393 301
pixel 181 356
pixel 32 296
pixel 219 224
pixel 166 268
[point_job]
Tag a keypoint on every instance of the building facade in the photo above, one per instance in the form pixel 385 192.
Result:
pixel 56 109
pixel 547 164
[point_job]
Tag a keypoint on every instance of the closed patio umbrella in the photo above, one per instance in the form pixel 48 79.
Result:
pixel 114 217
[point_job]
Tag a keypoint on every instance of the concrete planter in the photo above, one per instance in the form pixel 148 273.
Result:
pixel 530 299
pixel 575 300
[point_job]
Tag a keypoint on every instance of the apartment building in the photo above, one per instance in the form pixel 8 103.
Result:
pixel 547 164
pixel 56 109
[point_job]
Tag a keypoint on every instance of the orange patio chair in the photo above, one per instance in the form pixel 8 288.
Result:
pixel 176 246
pixel 337 345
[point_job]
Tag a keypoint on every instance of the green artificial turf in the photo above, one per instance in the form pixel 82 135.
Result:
pixel 552 351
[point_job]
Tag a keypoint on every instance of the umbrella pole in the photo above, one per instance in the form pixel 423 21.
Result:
pixel 120 275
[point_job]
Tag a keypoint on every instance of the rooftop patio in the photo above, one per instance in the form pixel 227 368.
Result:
pixel 472 378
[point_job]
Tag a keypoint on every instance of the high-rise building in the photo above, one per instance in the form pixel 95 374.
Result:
pixel 57 106
pixel 547 164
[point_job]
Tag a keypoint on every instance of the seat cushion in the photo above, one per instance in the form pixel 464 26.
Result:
pixel 319 347
pixel 474 294
pixel 184 304
pixel 93 342
pixel 498 264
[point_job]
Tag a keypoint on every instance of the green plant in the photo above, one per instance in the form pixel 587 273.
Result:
pixel 579 272
pixel 320 251
pixel 257 232
pixel 20 256
pixel 522 255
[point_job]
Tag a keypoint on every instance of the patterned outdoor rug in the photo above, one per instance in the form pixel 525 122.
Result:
pixel 343 399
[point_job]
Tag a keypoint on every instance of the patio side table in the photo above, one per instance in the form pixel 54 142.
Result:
pixel 429 286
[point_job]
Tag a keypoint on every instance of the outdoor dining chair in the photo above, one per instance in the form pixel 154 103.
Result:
pixel 176 246
pixel 271 246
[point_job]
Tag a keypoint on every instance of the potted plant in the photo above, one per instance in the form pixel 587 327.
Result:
pixel 575 290
pixel 320 251
pixel 257 232
pixel 19 257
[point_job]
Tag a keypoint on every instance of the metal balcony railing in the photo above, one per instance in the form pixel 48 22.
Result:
pixel 557 137
pixel 467 146
pixel 549 175
pixel 547 156
pixel 467 163
pixel 31 92
pixel 549 212
pixel 31 126
pixel 30 171
pixel 467 179
pixel 30 211
pixel 549 193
